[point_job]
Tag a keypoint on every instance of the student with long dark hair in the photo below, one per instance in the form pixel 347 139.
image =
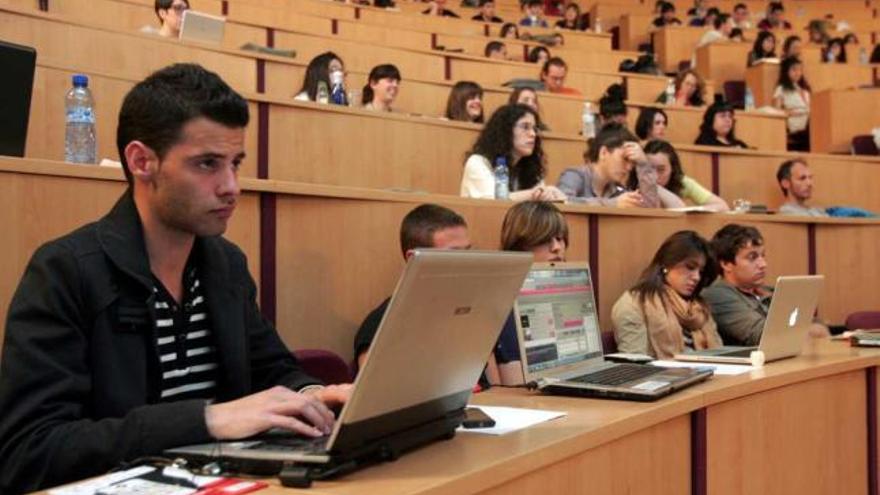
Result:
pixel 671 176
pixel 571 18
pixel 318 71
pixel 717 128
pixel 835 51
pixel 690 89
pixel 663 314
pixel 465 102
pixel 792 47
pixel 651 124
pixel 511 133
pixel 764 47
pixel 792 95
pixel 381 89
pixel 611 106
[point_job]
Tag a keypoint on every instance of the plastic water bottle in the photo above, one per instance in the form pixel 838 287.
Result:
pixel 79 134
pixel 749 100
pixel 670 92
pixel 337 95
pixel 323 95
pixel 588 122
pixel 502 178
pixel 597 26
pixel 863 56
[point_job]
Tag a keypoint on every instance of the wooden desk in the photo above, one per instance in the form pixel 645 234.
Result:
pixel 675 44
pixel 722 62
pixel 796 426
pixel 840 114
pixel 635 30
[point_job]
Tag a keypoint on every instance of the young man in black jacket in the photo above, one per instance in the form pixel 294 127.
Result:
pixel 141 332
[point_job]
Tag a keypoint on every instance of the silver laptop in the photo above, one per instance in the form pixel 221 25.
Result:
pixel 202 28
pixel 561 345
pixel 428 353
pixel 791 312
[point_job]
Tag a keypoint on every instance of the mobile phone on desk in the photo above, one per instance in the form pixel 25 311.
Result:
pixel 474 417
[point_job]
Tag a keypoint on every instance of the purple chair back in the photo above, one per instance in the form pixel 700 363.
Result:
pixel 324 365
pixel 609 345
pixel 863 320
pixel 735 93
pixel 864 145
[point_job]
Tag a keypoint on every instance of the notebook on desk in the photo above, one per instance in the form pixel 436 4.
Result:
pixel 202 28
pixel 430 348
pixel 791 312
pixel 561 345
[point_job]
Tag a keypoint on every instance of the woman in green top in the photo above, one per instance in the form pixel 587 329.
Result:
pixel 671 176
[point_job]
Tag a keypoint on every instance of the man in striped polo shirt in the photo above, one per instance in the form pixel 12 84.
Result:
pixel 141 332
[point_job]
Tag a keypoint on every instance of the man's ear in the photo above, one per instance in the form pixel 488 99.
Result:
pixel 786 186
pixel 726 266
pixel 141 161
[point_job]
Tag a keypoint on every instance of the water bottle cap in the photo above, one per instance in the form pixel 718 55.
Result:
pixel 501 161
pixel 81 80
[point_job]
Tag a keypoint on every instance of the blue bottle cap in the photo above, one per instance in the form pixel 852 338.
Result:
pixel 81 80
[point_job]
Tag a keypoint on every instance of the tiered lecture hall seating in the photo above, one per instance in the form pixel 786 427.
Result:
pixel 325 189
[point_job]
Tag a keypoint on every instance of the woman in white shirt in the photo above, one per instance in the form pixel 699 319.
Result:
pixel 512 134
pixel 793 96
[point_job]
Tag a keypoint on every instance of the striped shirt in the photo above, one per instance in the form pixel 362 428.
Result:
pixel 187 353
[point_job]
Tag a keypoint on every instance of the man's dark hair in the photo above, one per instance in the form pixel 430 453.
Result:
pixel 667 7
pixel 612 102
pixel 419 225
pixel 611 137
pixel 493 46
pixel 484 2
pixel 784 172
pixel 739 6
pixel 731 238
pixel 775 7
pixel 720 19
pixel 553 61
pixel 157 108
pixel 165 5
pixel 532 3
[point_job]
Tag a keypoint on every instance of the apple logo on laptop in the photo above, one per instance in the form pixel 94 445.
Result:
pixel 792 318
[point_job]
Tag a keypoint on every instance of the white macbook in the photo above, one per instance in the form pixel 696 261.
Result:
pixel 791 312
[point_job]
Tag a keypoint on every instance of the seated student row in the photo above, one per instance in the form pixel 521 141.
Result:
pixel 694 294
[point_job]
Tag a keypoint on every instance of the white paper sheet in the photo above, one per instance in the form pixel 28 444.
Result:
pixel 719 368
pixel 508 419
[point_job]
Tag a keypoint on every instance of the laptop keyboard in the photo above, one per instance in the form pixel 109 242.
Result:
pixel 619 374
pixel 291 443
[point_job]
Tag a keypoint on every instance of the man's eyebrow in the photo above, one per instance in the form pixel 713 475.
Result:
pixel 214 156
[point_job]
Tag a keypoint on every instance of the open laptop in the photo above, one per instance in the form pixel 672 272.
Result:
pixel 16 86
pixel 201 27
pixel 794 303
pixel 431 346
pixel 561 346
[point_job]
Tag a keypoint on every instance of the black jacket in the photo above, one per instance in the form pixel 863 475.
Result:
pixel 79 377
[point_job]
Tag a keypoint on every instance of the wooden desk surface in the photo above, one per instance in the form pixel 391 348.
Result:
pixel 838 115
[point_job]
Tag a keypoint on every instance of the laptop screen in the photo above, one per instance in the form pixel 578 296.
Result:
pixel 557 314
pixel 16 86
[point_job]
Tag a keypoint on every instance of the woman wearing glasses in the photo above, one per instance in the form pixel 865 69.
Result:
pixel 511 136
pixel 170 14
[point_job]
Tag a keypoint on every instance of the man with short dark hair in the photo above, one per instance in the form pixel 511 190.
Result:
pixel 796 181
pixel 426 226
pixel 739 299
pixel 741 16
pixel 553 75
pixel 612 155
pixel 496 49
pixel 487 12
pixel 533 11
pixel 775 18
pixel 140 332
pixel 438 8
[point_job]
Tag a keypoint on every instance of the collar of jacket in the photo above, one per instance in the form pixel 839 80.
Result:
pixel 121 236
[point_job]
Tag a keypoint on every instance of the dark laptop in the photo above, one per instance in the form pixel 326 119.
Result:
pixel 429 351
pixel 16 86
pixel 561 345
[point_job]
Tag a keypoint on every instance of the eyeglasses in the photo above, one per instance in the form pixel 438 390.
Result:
pixel 179 7
pixel 527 127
